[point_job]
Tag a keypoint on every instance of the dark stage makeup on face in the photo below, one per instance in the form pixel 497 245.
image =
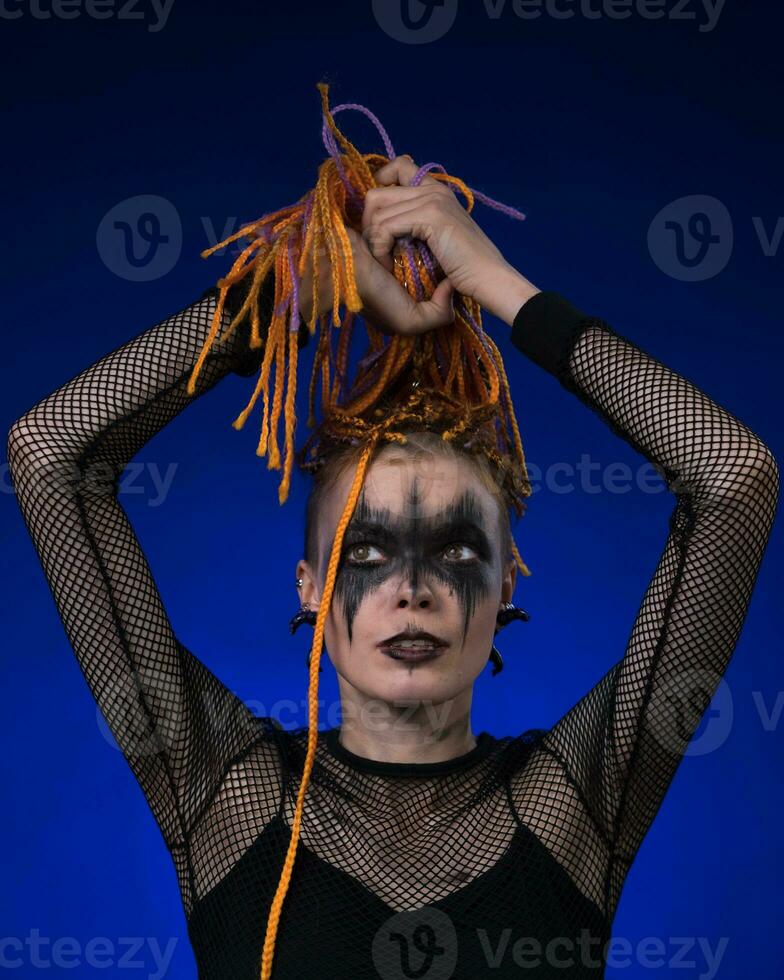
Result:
pixel 411 545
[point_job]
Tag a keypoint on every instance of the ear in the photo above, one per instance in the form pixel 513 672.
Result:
pixel 309 594
pixel 508 581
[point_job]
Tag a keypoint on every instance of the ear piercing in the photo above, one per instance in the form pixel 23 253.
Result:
pixel 303 615
pixel 507 614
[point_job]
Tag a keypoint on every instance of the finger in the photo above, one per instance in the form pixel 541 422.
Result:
pixel 390 306
pixel 380 246
pixel 389 207
pixel 361 250
pixel 380 240
pixel 382 197
pixel 381 235
pixel 401 170
pixel 443 301
pixel 420 317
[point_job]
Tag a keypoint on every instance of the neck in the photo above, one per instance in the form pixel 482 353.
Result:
pixel 405 732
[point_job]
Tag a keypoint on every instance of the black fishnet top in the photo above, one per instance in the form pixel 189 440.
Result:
pixel 514 853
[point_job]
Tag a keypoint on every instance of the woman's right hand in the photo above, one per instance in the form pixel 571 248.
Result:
pixel 385 303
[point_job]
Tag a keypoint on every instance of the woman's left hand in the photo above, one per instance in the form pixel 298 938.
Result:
pixel 470 261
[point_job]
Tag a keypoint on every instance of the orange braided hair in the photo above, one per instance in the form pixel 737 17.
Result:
pixel 450 380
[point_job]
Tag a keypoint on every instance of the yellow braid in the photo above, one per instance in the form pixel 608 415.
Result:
pixel 290 416
pixel 315 657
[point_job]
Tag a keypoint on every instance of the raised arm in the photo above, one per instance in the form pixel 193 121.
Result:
pixel 621 744
pixel 176 724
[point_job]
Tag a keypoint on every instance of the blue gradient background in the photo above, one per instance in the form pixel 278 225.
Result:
pixel 589 126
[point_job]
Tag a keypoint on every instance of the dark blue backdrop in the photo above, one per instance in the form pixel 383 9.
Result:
pixel 591 124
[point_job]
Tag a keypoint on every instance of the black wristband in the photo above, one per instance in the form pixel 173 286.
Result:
pixel 546 328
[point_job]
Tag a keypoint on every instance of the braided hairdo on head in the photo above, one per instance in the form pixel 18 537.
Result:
pixel 449 380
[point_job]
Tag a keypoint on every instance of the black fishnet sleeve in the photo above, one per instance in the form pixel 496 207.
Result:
pixel 621 744
pixel 176 724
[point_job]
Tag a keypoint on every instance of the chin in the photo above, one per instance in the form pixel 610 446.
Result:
pixel 398 681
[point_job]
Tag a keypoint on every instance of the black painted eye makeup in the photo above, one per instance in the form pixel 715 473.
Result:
pixel 450 548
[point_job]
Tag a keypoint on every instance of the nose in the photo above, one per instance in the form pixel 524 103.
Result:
pixel 414 592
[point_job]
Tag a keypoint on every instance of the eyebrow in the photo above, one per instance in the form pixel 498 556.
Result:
pixel 462 528
pixel 372 529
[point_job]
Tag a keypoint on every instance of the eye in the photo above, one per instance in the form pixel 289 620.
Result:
pixel 459 552
pixel 364 554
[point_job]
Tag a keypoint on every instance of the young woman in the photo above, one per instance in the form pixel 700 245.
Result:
pixel 425 850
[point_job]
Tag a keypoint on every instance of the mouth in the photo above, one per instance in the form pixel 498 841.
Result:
pixel 413 645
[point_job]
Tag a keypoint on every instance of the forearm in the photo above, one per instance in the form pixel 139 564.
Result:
pixel 623 741
pixel 109 410
pixel 65 455
pixel 504 291
pixel 698 445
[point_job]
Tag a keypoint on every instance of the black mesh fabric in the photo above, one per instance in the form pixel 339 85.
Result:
pixel 432 870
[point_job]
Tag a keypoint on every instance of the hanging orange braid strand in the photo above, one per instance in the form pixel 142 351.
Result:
pixel 450 380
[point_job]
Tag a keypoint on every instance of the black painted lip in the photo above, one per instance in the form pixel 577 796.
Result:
pixel 411 656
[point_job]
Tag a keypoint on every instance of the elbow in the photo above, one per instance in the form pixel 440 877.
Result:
pixel 23 436
pixel 21 449
pixel 36 461
pixel 769 474
pixel 754 480
pixel 747 477
pixel 766 479
pixel 17 443
pixel 761 470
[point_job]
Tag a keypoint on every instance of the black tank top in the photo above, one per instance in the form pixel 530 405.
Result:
pixel 447 882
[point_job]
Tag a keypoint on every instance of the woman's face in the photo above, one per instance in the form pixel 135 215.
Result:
pixel 422 553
